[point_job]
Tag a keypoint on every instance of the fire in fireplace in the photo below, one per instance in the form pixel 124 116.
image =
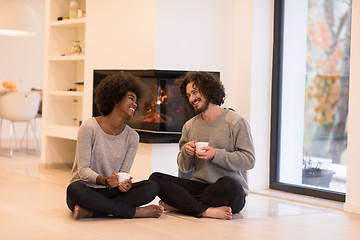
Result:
pixel 163 112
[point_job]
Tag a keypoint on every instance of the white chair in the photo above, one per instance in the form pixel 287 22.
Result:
pixel 19 106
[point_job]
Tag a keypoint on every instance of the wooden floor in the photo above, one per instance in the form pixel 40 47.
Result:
pixel 32 206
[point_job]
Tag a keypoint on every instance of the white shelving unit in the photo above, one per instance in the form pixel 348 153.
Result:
pixel 62 106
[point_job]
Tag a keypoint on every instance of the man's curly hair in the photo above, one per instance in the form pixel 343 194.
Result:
pixel 208 84
pixel 113 88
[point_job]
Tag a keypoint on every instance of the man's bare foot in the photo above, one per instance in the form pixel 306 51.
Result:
pixel 223 212
pixel 167 207
pixel 154 211
pixel 80 212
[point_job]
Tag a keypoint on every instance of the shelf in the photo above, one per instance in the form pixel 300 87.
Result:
pixel 67 132
pixel 69 23
pixel 67 93
pixel 62 109
pixel 67 58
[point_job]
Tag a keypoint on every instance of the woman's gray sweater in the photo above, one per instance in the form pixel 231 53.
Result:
pixel 99 153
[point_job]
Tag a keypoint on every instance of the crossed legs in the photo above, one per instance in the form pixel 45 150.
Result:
pixel 217 200
pixel 100 202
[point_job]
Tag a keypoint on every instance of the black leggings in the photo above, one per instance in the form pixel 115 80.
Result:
pixel 111 201
pixel 194 197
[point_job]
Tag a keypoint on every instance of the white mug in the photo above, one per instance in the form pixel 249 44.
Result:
pixel 123 176
pixel 200 145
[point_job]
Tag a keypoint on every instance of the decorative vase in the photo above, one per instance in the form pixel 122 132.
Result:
pixel 76 49
pixel 73 9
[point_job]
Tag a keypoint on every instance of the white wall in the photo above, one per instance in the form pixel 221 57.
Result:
pixel 179 34
pixel 119 35
pixel 209 35
pixel 261 75
pixel 155 158
pixel 21 60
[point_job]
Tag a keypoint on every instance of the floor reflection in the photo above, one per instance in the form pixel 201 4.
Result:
pixel 257 205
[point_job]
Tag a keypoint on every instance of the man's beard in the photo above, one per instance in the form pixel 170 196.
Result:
pixel 203 108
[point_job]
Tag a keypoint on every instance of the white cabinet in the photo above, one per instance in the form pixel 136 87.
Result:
pixel 62 104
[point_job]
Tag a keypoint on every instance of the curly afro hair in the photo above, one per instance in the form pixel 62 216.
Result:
pixel 209 86
pixel 113 88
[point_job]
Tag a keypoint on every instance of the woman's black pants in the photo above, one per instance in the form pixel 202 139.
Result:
pixel 111 201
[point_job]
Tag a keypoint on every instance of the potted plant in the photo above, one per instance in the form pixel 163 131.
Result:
pixel 315 171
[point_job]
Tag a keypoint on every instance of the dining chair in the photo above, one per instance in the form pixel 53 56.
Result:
pixel 19 106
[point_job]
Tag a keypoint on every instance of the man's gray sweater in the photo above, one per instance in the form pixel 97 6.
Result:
pixel 230 135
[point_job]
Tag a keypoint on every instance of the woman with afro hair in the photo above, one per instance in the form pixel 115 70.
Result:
pixel 106 146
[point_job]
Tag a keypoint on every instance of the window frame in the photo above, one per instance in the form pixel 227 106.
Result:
pixel 276 95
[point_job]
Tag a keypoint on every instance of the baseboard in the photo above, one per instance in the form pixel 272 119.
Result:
pixel 301 199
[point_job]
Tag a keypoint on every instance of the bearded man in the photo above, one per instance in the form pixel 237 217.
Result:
pixel 218 186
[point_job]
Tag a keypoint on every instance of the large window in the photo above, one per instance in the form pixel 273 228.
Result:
pixel 310 97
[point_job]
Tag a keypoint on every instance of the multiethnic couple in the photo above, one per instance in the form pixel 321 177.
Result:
pixel 107 146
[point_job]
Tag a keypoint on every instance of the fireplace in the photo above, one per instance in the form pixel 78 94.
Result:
pixel 163 112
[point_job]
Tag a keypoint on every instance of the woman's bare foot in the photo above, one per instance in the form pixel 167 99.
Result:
pixel 154 211
pixel 80 212
pixel 167 207
pixel 223 212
